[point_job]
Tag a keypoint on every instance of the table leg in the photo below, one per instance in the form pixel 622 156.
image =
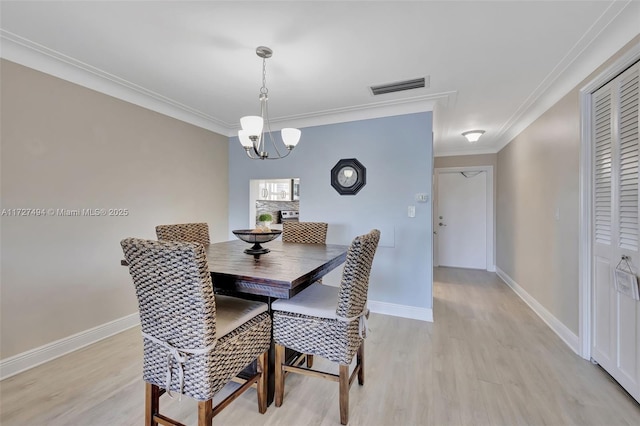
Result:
pixel 252 368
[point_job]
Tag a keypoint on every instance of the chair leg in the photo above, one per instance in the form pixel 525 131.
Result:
pixel 344 394
pixel 309 360
pixel 152 404
pixel 279 362
pixel 205 413
pixel 360 362
pixel 262 385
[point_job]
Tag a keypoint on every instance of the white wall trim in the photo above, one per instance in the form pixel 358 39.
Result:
pixel 34 357
pixel 554 323
pixel 584 227
pixel 402 311
pixel 466 152
pixel 491 217
pixel 619 25
pixel 586 178
pixel 33 55
pixel 390 108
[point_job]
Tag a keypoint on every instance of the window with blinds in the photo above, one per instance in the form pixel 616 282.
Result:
pixel 602 166
pixel 628 161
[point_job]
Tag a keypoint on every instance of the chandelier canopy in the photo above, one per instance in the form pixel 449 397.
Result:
pixel 256 129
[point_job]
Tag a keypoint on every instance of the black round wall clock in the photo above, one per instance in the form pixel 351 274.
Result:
pixel 348 176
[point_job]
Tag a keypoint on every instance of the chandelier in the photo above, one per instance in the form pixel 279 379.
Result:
pixel 256 129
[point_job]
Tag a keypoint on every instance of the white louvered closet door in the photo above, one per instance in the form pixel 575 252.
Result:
pixel 615 316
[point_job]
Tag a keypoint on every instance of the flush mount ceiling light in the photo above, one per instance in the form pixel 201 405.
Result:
pixel 256 128
pixel 473 135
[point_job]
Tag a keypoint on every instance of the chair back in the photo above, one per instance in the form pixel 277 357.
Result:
pixel 355 276
pixel 304 232
pixel 187 232
pixel 176 304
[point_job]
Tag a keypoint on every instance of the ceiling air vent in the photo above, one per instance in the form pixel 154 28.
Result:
pixel 398 86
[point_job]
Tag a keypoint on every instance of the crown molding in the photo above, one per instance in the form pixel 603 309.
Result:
pixel 390 108
pixel 33 55
pixel 437 153
pixel 443 127
pixel 591 51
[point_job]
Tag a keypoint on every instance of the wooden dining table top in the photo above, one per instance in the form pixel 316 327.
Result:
pixel 283 272
pixel 286 270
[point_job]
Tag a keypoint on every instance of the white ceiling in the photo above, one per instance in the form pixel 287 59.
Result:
pixel 492 65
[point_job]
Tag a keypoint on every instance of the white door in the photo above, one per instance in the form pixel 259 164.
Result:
pixel 615 316
pixel 461 219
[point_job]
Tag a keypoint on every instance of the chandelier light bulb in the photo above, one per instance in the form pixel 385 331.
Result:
pixel 252 124
pixel 290 136
pixel 246 142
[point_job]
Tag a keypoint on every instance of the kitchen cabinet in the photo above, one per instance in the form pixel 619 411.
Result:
pixel 277 189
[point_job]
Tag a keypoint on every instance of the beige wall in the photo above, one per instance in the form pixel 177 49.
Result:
pixel 538 178
pixel 68 147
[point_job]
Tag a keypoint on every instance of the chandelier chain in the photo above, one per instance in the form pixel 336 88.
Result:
pixel 263 89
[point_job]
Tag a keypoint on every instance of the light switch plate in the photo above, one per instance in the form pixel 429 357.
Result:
pixel 411 211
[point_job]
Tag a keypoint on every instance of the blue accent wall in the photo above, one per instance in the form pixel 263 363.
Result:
pixel 397 153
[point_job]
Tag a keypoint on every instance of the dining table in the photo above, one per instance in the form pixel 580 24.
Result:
pixel 282 273
pixel 286 270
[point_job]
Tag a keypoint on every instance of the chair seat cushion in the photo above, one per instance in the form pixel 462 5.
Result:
pixel 317 300
pixel 232 312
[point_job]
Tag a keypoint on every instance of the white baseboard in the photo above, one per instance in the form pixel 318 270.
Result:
pixel 403 311
pixel 554 323
pixel 34 357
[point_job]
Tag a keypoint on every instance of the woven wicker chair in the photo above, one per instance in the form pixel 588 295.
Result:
pixel 304 232
pixel 194 342
pixel 329 322
pixel 187 232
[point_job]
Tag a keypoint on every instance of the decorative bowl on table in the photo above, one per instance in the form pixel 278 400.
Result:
pixel 256 237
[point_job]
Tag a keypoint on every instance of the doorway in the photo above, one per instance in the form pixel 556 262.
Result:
pixel 609 234
pixel 464 217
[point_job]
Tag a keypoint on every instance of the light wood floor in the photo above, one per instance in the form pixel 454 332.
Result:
pixel 487 359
